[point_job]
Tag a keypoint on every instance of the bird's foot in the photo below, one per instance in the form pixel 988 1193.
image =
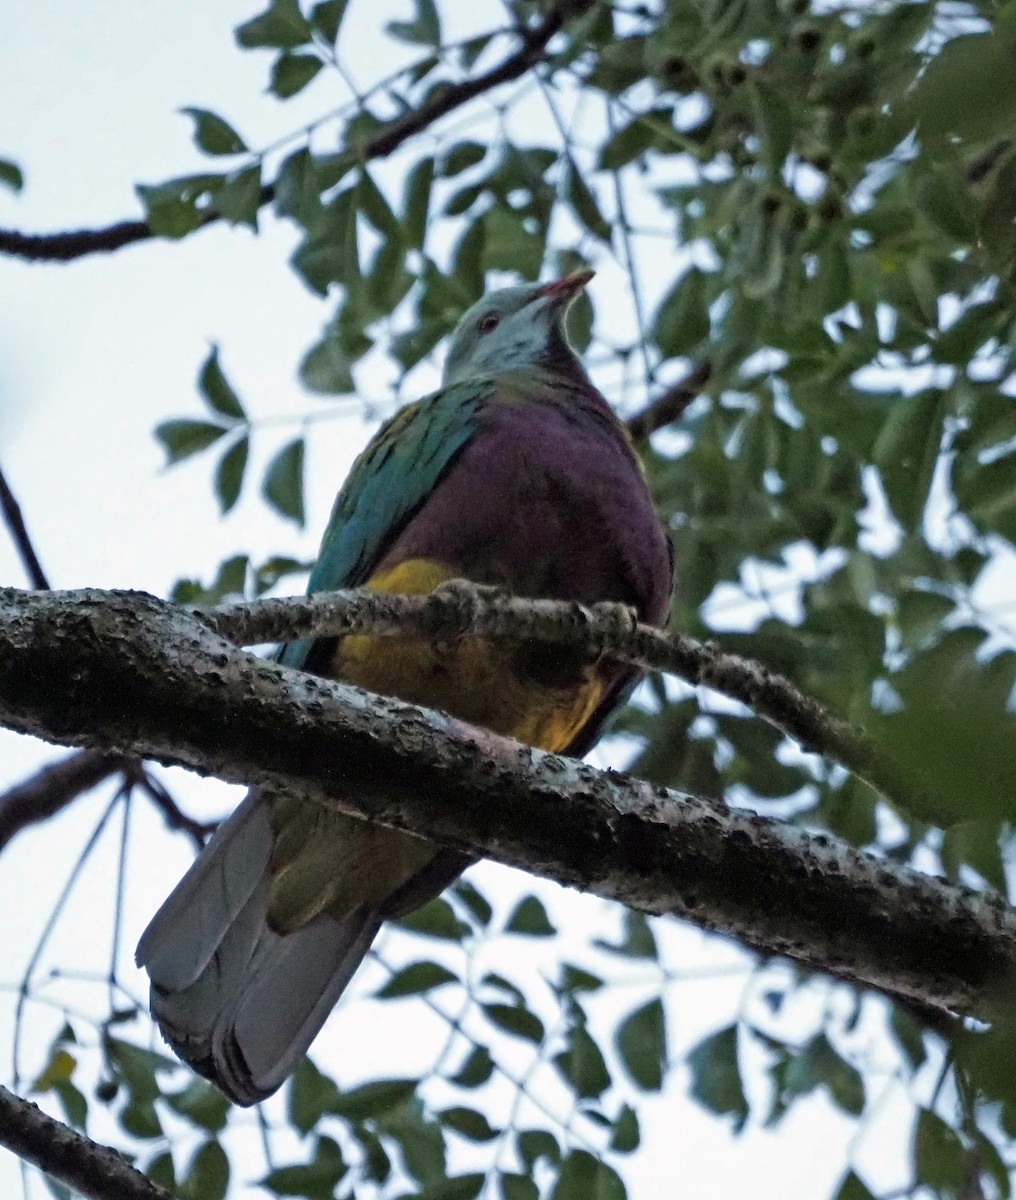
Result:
pixel 456 606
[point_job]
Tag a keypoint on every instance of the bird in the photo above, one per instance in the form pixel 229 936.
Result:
pixel 518 475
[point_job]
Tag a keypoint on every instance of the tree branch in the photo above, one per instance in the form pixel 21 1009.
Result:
pixel 610 630
pixel 87 1167
pixel 52 788
pixel 125 671
pixel 15 523
pixel 64 247
pixel 670 405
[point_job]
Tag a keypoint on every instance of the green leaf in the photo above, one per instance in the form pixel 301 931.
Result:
pixel 852 1189
pixel 180 439
pixel 940 1160
pixel 682 321
pixel 626 1136
pixel 268 574
pixel 461 157
pixel 425 30
pixel 476 1070
pixel 716 1078
pixel 906 452
pixel 470 1123
pixel 11 175
pixel 161 1171
pixel 373 1100
pixel 819 1063
pixel 311 1095
pixel 201 1104
pixel 474 900
pixel 239 198
pixel 975 844
pixel 298 189
pixel 316 1179
pixel 171 208
pixel 59 1069
pixel 642 133
pixel 575 979
pixel 638 940
pixel 73 1102
pixel 207 1176
pixel 584 1177
pixel 416 202
pixel 584 204
pixel 518 1187
pixel 909 1037
pixel 535 1144
pixel 515 1019
pixel 642 1043
pixel 281 25
pixel 462 1187
pixel 229 474
pixel 436 919
pixel 217 390
pixel 416 978
pixel 326 17
pixel 421 1141
pixel 510 245
pixel 530 918
pixel 213 135
pixel 582 1064
pixel 374 205
pixel 283 482
pixel 966 88
pixel 944 742
pixel 325 368
pixel 292 72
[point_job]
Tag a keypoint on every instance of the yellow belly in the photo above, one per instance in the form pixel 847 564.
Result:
pixel 322 860
pixel 472 679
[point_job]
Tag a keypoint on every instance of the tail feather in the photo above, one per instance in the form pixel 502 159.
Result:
pixel 237 1000
pixel 186 931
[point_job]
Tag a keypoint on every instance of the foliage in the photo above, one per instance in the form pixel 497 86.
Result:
pixel 831 189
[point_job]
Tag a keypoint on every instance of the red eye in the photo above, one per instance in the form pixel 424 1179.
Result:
pixel 488 323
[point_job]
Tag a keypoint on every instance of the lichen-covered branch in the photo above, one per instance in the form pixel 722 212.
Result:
pixel 124 671
pixel 65 247
pixel 605 629
pixel 90 1169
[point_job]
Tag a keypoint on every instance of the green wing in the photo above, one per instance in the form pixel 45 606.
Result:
pixel 391 478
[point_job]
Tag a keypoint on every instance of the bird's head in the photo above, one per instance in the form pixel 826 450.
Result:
pixel 515 327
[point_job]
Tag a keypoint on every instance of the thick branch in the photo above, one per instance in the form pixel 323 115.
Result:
pixel 90 1169
pixel 606 629
pixel 128 672
pixel 63 247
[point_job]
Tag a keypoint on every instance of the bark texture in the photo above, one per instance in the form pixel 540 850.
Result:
pixel 87 1167
pixel 123 671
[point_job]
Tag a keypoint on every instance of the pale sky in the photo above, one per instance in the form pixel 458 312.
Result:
pixel 92 356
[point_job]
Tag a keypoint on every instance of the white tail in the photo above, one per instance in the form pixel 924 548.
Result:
pixel 238 1001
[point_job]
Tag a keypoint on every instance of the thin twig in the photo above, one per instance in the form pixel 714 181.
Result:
pixel 198 831
pixel 15 523
pixel 64 247
pixel 47 931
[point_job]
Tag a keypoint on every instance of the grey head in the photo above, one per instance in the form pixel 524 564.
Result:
pixel 515 327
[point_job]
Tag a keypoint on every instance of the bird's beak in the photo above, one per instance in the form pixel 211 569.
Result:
pixel 559 294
